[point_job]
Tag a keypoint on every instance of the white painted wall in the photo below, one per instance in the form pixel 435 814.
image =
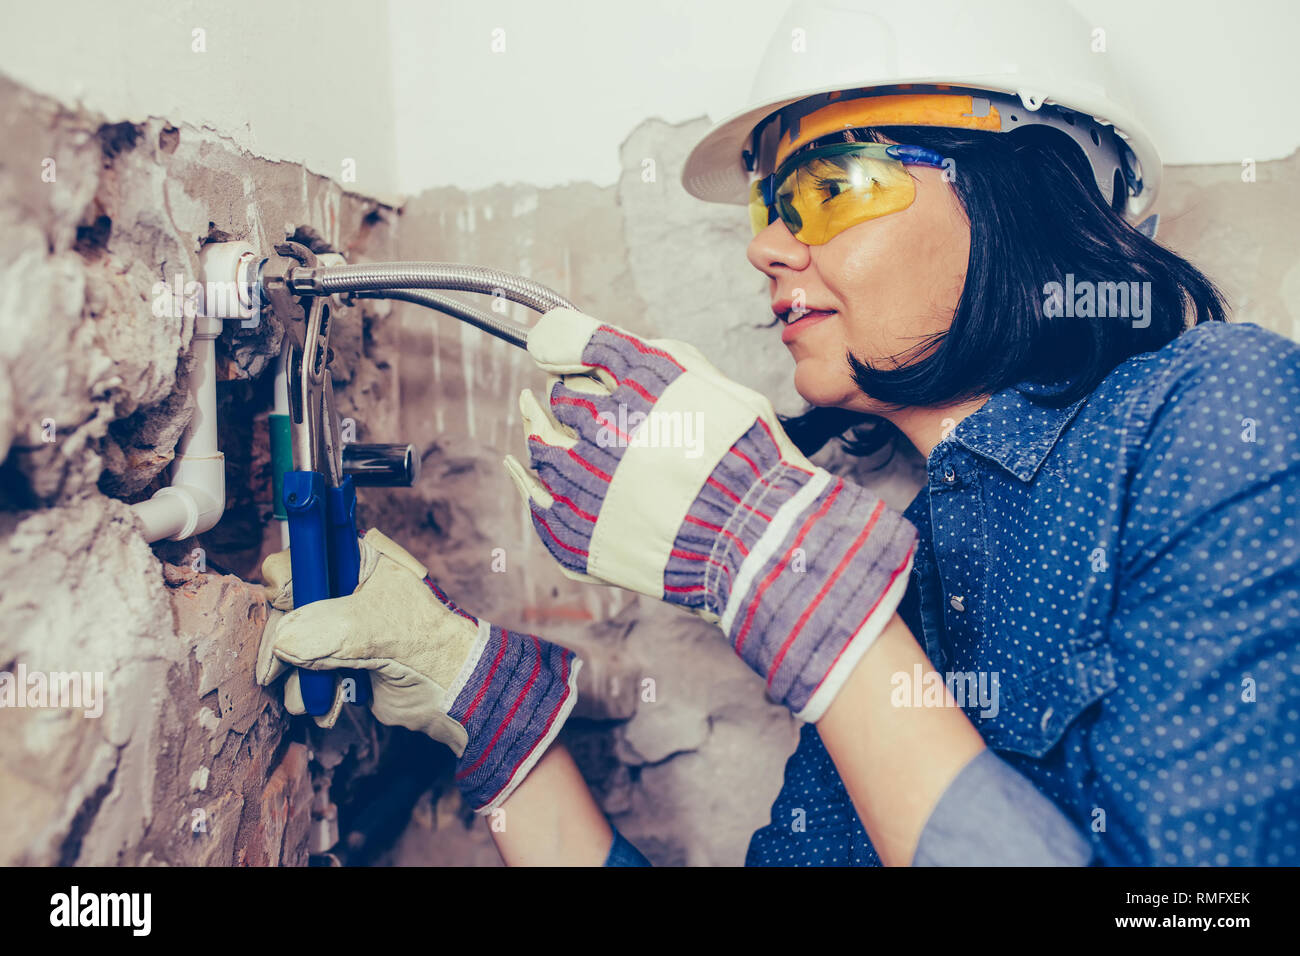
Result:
pixel 264 80
pixel 567 90
pixel 419 99
pixel 577 76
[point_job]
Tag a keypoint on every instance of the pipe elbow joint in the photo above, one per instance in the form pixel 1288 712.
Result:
pixel 197 494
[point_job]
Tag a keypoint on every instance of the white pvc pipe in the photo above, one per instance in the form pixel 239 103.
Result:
pixel 196 498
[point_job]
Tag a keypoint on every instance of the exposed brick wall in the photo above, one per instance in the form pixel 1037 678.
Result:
pixel 190 762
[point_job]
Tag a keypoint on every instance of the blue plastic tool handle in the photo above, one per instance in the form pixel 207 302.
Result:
pixel 305 503
pixel 345 556
pixel 345 559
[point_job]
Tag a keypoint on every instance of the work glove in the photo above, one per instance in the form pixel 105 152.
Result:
pixel 497 698
pixel 278 589
pixel 654 472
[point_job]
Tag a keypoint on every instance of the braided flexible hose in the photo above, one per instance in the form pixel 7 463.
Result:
pixel 377 276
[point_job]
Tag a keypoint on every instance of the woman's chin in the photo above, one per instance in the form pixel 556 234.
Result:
pixel 815 383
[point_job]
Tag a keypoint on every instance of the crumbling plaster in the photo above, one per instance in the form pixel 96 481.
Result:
pixel 190 761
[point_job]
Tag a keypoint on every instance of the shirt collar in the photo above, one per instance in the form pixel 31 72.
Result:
pixel 1013 430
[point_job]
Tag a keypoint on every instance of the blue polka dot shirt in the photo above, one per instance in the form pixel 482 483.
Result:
pixel 1114 588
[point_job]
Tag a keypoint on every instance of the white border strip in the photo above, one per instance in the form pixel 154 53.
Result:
pixel 534 755
pixel 769 541
pixel 858 645
pixel 467 669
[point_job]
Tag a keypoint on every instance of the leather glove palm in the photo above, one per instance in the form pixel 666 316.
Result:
pixel 497 698
pixel 657 473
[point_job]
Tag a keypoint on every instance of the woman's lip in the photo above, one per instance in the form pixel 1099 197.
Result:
pixel 810 318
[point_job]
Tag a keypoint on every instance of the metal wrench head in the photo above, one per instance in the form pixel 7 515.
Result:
pixel 306 322
pixel 331 444
pixel 274 281
pixel 311 418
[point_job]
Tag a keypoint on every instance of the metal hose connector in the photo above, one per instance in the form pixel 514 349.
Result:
pixel 453 276
pixel 491 324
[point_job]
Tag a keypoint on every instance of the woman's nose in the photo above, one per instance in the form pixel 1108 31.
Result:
pixel 775 247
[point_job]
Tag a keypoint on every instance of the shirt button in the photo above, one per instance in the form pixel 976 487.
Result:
pixel 958 602
pixel 949 475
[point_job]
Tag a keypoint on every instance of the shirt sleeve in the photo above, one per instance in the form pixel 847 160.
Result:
pixel 990 815
pixel 622 853
pixel 1207 616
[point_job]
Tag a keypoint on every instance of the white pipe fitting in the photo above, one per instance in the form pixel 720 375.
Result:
pixel 196 498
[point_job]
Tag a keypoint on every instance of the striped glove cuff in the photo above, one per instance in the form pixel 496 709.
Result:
pixel 817 589
pixel 514 694
pixel 801 569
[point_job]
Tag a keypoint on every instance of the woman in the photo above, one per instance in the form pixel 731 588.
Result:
pixel 1072 648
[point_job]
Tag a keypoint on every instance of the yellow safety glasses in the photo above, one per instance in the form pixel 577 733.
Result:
pixel 820 193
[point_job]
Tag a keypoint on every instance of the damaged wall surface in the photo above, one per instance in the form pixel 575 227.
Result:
pixel 190 762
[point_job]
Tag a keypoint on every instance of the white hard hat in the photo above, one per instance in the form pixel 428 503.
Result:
pixel 1014 56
